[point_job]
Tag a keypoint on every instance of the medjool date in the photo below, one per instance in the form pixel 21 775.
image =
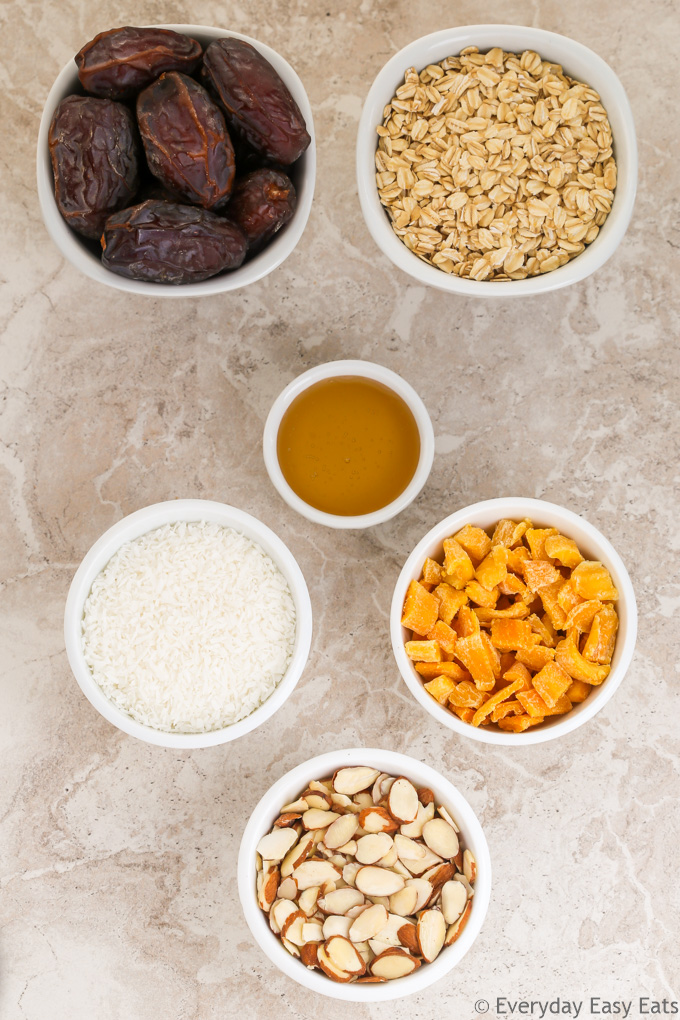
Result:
pixel 95 160
pixel 262 202
pixel 118 63
pixel 186 141
pixel 163 242
pixel 255 99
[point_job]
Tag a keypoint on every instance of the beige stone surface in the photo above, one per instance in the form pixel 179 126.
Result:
pixel 117 860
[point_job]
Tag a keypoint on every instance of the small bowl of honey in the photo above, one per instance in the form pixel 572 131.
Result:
pixel 348 444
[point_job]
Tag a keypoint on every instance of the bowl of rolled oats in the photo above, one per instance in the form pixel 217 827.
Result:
pixel 497 160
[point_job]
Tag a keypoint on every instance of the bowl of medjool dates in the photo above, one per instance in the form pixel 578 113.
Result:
pixel 176 160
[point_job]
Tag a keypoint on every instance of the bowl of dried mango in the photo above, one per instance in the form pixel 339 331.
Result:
pixel 513 621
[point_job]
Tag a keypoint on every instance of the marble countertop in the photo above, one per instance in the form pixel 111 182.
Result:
pixel 117 860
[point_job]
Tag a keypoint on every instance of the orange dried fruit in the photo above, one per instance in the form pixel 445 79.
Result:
pixel 567 597
pixel 513 585
pixel 581 616
pixel 544 630
pixel 429 670
pixel 440 688
pixel 492 654
pixel 559 547
pixel 448 601
pixel 592 580
pixel 535 658
pixel 444 636
pixel 466 622
pixel 517 557
pixel 549 598
pixel 458 568
pixel 506 708
pixel 509 533
pixel 578 691
pixel 571 660
pixel 474 540
pixel 600 644
pixel 496 699
pixel 536 707
pixel 539 574
pixel 472 653
pixel 420 609
pixel 465 714
pixel 536 539
pixel 512 634
pixel 551 683
pixel 466 695
pixel 515 723
pixel 423 651
pixel 493 567
pixel 518 671
pixel 517 611
pixel 432 571
pixel 482 596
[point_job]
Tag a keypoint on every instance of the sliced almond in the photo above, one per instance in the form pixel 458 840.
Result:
pixel 384 901
pixel 425 796
pixel 454 931
pixel 394 963
pixel 280 910
pixel 389 936
pixel 424 890
pixel 292 928
pixel 463 881
pixel 297 806
pixel 404 901
pixel 307 900
pixel 335 924
pixel 319 799
pixel 390 858
pixel 349 849
pixel 267 886
pixel 329 968
pixel 317 818
pixel 312 931
pixel 341 800
pixel 402 800
pixel 377 819
pixel 288 819
pixel 438 876
pixel 408 849
pixel 368 924
pixel 408 937
pixel 375 881
pixel 431 932
pixel 354 912
pixel 291 947
pixel 343 955
pixel 363 800
pixel 315 872
pixel 447 818
pixel 308 954
pixel 325 785
pixel 414 830
pixel 297 854
pixel 349 872
pixel 469 866
pixel 441 838
pixel 340 900
pixel 370 979
pixel 353 779
pixel 400 869
pixel 376 792
pixel 417 867
pixel 275 845
pixel 454 898
pixel 288 889
pixel 371 848
pixel 340 831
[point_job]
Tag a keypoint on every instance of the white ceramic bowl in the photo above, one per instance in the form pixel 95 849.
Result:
pixel 367 370
pixel 288 788
pixel 579 62
pixel 592 544
pixel 140 523
pixel 86 256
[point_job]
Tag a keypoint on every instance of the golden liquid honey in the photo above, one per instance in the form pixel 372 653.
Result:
pixel 348 445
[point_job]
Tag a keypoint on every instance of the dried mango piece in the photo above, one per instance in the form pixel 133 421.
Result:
pixel 512 634
pixel 518 671
pixel 432 571
pixel 536 538
pixel 482 596
pixel 440 688
pixel 600 644
pixel 466 695
pixel 513 585
pixel 517 558
pixel 427 586
pixel 429 670
pixel 493 567
pixel 539 574
pixel 492 653
pixel 472 653
pixel 536 706
pixel 553 609
pixel 515 723
pixel 475 541
pixel 466 622
pixel 551 682
pixel 571 660
pixel 559 547
pixel 592 580
pixel 517 611
pixel 448 601
pixel 507 662
pixel 545 632
pixel 567 597
pixel 506 708
pixel 420 609
pixel 423 651
pixel 458 568
pixel 509 533
pixel 444 636
pixel 535 658
pixel 547 623
pixel 496 699
pixel 465 714
pixel 581 616
pixel 578 691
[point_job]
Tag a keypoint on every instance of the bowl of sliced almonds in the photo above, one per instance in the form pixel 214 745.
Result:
pixel 364 875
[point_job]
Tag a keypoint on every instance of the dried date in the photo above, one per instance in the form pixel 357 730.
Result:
pixel 94 148
pixel 118 63
pixel 263 201
pixel 162 242
pixel 255 99
pixel 185 138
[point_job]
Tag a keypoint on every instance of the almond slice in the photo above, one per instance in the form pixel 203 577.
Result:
pixel 469 866
pixel 267 886
pixel 308 954
pixel 441 838
pixel 317 818
pixel 349 849
pixel 319 799
pixel 354 912
pixel 437 877
pixel 377 819
pixel 414 830
pixel 341 800
pixel 404 901
pixel 376 792
pixel 454 898
pixel 394 963
pixel 363 800
pixel 431 932
pixel 408 848
pixel 298 806
pixel 368 924
pixel 353 779
pixel 343 955
pixel 292 928
pixel 463 881
pixel 312 931
pixel 408 937
pixel 340 900
pixel 288 889
pixel 335 924
pixel 280 910
pixel 374 846
pixel 291 947
pixel 375 881
pixel 402 800
pixel 447 818
pixel 315 872
pixel 275 845
pixel 329 968
pixel 287 819
pixel 425 796
pixel 417 867
pixel 455 930
pixel 390 858
pixel 424 889
pixel 299 853
pixel 307 900
pixel 370 979
pixel 349 872
pixel 340 831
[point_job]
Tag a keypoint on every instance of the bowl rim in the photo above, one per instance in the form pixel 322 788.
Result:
pixel 147 519
pixel 396 763
pixel 543 513
pixel 367 370
pixel 72 247
pixel 560 49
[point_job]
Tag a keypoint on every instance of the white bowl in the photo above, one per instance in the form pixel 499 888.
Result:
pixel 289 787
pixel 83 254
pixel 140 523
pixel 367 370
pixel 592 544
pixel 579 62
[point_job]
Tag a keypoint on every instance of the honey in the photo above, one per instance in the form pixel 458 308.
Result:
pixel 348 445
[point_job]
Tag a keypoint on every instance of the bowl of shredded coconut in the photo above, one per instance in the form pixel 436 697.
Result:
pixel 188 623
